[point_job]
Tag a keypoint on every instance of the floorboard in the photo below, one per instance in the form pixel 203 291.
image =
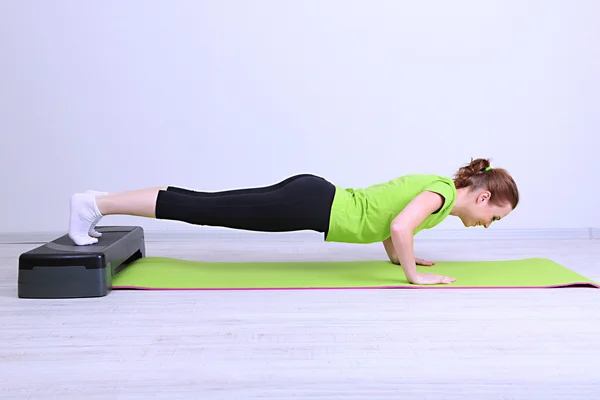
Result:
pixel 346 344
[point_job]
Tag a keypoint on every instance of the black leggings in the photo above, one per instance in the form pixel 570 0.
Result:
pixel 301 202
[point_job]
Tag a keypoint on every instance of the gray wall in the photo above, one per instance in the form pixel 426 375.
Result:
pixel 117 95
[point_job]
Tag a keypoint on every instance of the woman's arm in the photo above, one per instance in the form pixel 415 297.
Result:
pixel 402 236
pixel 391 252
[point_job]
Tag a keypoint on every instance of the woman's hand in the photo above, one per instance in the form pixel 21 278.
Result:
pixel 420 261
pixel 430 279
pixel 393 256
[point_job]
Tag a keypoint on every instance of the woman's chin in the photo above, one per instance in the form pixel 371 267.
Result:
pixel 468 224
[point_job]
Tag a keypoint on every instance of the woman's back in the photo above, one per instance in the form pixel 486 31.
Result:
pixel 364 215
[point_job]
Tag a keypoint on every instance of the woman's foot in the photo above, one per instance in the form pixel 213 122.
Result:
pixel 93 232
pixel 88 208
pixel 84 217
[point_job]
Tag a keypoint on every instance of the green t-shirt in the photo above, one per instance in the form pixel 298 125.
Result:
pixel 365 215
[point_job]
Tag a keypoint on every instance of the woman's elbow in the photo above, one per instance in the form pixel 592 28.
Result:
pixel 399 230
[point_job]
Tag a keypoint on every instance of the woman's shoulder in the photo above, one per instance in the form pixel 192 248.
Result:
pixel 422 179
pixel 413 184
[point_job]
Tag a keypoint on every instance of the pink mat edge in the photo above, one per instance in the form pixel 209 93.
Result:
pixel 565 285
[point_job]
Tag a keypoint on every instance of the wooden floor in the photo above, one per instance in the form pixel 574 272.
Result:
pixel 354 344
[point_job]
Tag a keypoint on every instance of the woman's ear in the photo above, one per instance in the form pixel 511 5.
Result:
pixel 484 196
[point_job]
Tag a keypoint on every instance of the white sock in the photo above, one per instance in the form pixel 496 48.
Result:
pixel 84 214
pixel 93 232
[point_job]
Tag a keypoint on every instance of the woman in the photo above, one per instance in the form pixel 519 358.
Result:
pixel 391 212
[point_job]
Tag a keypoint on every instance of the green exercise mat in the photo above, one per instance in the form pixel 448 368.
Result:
pixel 159 273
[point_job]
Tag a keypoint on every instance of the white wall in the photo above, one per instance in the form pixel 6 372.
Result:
pixel 118 95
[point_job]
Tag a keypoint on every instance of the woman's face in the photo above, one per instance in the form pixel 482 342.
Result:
pixel 483 213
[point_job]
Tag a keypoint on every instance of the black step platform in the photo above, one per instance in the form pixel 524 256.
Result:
pixel 60 269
